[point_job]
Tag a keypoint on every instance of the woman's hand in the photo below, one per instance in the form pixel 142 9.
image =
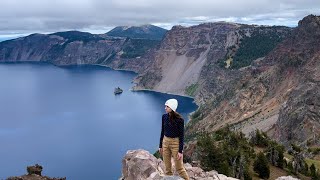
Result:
pixel 179 156
pixel 160 151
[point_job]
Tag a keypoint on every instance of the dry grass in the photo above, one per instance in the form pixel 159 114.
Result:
pixel 317 157
pixel 313 161
pixel 275 172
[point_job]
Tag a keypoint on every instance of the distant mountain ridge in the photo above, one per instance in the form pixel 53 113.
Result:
pixel 144 32
pixel 75 47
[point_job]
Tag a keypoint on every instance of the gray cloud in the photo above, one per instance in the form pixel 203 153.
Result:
pixel 98 16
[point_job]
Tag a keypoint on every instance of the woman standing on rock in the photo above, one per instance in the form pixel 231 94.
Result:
pixel 171 139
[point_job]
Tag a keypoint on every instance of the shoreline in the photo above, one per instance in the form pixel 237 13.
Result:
pixel 126 70
pixel 150 90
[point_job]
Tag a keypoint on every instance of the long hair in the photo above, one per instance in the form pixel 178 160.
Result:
pixel 174 115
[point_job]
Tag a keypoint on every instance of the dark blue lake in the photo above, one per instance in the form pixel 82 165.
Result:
pixel 69 121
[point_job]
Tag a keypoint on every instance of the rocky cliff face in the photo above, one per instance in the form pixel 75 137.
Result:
pixel 299 118
pixel 189 60
pixel 60 48
pixel 178 62
pixel 277 94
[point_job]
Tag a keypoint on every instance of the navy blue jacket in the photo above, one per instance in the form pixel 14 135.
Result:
pixel 172 129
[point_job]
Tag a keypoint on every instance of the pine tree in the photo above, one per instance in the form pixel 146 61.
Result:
pixel 261 166
pixel 211 156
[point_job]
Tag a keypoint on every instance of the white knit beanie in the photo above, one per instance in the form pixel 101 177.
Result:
pixel 172 103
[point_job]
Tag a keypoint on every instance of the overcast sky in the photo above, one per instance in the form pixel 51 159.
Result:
pixel 22 17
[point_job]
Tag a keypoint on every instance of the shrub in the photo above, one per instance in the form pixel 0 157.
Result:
pixel 190 90
pixel 313 172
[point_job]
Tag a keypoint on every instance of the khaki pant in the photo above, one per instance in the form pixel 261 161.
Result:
pixel 170 148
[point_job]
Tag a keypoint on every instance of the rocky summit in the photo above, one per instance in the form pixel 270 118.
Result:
pixel 140 164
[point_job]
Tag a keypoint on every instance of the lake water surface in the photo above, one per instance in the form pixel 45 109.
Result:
pixel 69 121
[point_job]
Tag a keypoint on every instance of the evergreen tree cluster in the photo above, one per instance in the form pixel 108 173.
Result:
pixel 232 154
pixel 225 151
pixel 259 44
